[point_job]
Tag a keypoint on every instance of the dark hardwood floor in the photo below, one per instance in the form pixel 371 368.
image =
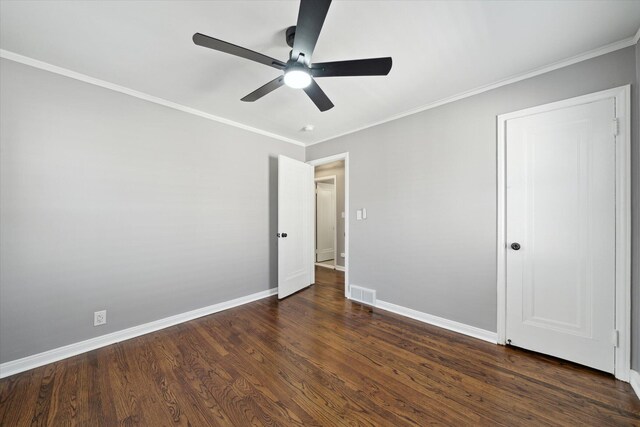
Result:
pixel 312 359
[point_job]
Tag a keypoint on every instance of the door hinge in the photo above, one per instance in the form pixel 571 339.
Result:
pixel 615 127
pixel 615 338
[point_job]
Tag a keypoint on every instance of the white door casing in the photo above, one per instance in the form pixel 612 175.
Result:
pixel 325 221
pixel 563 181
pixel 295 226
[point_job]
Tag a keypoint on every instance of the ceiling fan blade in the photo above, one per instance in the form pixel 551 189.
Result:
pixel 222 46
pixel 310 19
pixel 318 96
pixel 263 90
pixel 357 67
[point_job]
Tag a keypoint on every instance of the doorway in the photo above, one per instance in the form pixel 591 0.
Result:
pixel 331 247
pixel 563 230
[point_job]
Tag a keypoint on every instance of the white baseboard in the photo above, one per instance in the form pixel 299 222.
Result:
pixel 323 265
pixel 634 380
pixel 340 268
pixel 440 322
pixel 50 356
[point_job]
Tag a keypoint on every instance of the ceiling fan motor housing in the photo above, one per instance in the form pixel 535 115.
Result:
pixel 291 34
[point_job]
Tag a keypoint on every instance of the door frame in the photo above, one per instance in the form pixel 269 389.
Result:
pixel 335 214
pixel 330 159
pixel 622 95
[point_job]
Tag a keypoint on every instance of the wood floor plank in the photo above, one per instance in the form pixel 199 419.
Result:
pixel 392 384
pixel 313 359
pixel 18 397
pixel 368 354
pixel 599 385
pixel 260 382
pixel 215 383
pixel 126 395
pixel 321 392
pixel 339 393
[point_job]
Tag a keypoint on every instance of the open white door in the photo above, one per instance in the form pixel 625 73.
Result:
pixel 295 226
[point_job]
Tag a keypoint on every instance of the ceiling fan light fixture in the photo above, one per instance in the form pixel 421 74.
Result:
pixel 297 78
pixel 299 71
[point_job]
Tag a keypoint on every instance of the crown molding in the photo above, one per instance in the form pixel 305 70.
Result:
pixel 12 56
pixel 513 79
pixel 462 95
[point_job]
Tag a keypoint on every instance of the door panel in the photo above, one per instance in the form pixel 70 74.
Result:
pixel 561 210
pixel 295 226
pixel 325 221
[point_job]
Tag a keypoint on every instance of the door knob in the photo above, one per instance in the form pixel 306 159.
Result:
pixel 284 234
pixel 515 246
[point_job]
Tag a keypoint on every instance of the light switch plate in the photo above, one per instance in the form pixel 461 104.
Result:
pixel 359 215
pixel 364 213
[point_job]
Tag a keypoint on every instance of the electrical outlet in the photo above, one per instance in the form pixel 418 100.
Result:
pixel 100 318
pixel 342 254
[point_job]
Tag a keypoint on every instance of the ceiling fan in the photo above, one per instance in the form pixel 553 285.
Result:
pixel 299 71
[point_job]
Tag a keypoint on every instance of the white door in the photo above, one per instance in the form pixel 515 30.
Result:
pixel 295 226
pixel 325 221
pixel 561 213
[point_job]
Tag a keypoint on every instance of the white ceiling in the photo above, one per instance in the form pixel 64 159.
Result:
pixel 439 49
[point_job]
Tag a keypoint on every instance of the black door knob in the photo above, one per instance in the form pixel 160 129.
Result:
pixel 515 246
pixel 284 234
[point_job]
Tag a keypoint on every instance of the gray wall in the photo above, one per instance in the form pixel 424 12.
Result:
pixel 111 202
pixel 337 169
pixel 428 182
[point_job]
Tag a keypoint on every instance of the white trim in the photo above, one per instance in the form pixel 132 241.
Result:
pixel 622 96
pixel 440 322
pixel 56 354
pixel 634 380
pixel 323 265
pixel 335 215
pixel 513 79
pixel 340 268
pixel 136 94
pixel 326 178
pixel 636 38
pixel 501 231
pixel 330 159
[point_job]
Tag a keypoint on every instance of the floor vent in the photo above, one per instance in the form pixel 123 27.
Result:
pixel 363 295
